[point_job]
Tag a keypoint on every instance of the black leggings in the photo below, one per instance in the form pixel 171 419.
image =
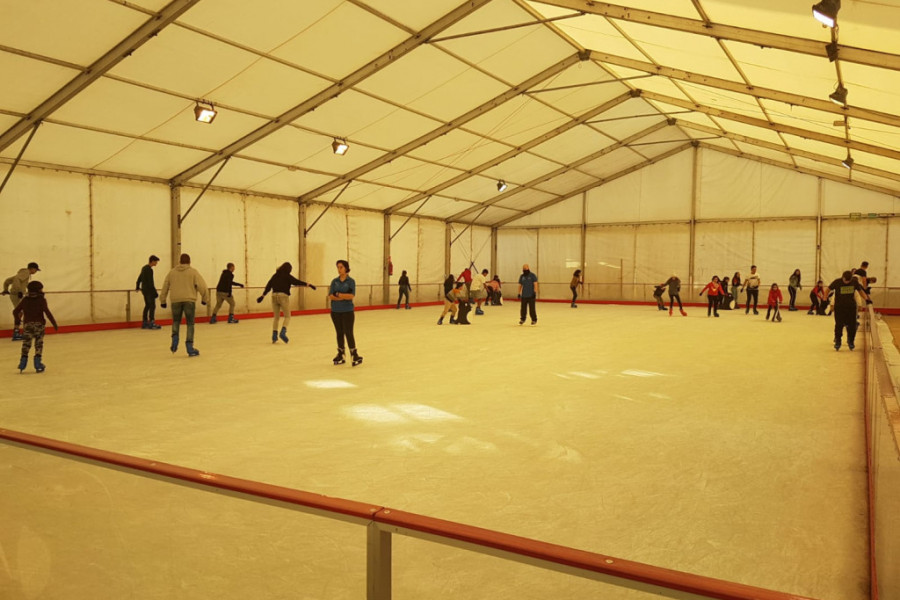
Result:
pixel 403 292
pixel 793 292
pixel 574 293
pixel 845 317
pixel 713 305
pixel 672 299
pixel 343 327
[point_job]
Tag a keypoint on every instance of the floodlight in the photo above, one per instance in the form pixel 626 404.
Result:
pixel 832 50
pixel 204 111
pixel 826 12
pixel 839 95
pixel 848 162
pixel 501 186
pixel 340 146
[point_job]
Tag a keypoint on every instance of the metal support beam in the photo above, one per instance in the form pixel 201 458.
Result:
pixel 121 51
pixel 409 217
pixel 386 259
pixel 516 151
pixel 727 32
pixel 378 563
pixel 336 89
pixel 175 224
pixel 330 204
pixel 488 106
pixel 19 155
pixel 301 251
pixel 203 191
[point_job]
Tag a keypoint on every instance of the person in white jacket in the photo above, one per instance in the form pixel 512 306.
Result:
pixel 185 283
pixel 16 287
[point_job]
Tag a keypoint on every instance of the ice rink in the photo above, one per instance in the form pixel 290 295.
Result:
pixel 731 448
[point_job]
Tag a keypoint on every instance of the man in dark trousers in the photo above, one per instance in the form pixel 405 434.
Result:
pixel 845 306
pixel 528 288
pixel 223 293
pixel 147 287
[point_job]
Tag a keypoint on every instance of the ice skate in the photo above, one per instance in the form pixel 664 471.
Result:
pixel 23 362
pixel 174 345
pixel 189 346
pixel 274 336
pixel 17 335
pixel 777 317
pixel 153 325
pixel 283 335
pixel 339 358
pixel 851 346
pixel 478 311
pixel 38 365
pixel 212 320
pixel 356 359
pixel 683 314
pixel 231 319
pixel 441 321
pixel 837 344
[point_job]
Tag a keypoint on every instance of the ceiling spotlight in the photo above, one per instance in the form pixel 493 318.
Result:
pixel 204 111
pixel 839 96
pixel 826 11
pixel 339 146
pixel 832 50
pixel 848 162
pixel 501 186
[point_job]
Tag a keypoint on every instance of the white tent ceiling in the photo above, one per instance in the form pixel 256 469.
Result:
pixel 441 99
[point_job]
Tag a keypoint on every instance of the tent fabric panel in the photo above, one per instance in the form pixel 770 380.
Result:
pixel 520 168
pixel 239 173
pixel 841 200
pixel 865 25
pixel 615 202
pixel 751 131
pixel 309 151
pixel 366 195
pixel 183 127
pixel 404 254
pixel 761 152
pixel 27 82
pixel 517 121
pixel 559 254
pixel 785 193
pixel 579 88
pixel 326 242
pixel 845 244
pixel 432 252
pixel 571 145
pixel 570 180
pixel 58 206
pixel 566 212
pixel 365 231
pixel 768 16
pixel 411 173
pixel 666 189
pixel 395 129
pixel 213 234
pixel 269 88
pixel 661 251
pixel 892 277
pixel 612 163
pixel 415 16
pixel 627 119
pixel 151 159
pixel 722 249
pixel 779 247
pixel 834 169
pixel 52 144
pixel 459 149
pixel 526 199
pixel 288 183
pixel 515 247
pixel 729 187
pixel 438 207
pixel 811 76
pixel 493 214
pixel 609 254
pixel 882 182
pixel 460 248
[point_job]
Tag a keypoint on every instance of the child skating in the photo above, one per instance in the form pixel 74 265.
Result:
pixel 31 311
pixel 775 298
pixel 713 291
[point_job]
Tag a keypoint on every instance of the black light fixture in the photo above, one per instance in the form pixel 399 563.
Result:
pixel 826 12
pixel 204 111
pixel 501 186
pixel 339 146
pixel 839 95
pixel 832 50
pixel 848 162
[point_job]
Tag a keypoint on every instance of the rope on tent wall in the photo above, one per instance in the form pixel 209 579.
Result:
pixel 330 204
pixel 203 191
pixel 408 218
pixel 19 157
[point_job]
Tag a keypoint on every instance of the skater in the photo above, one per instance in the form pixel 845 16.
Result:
pixel 466 276
pixel 774 300
pixel 405 288
pixel 223 293
pixel 30 311
pixel 147 288
pixel 16 287
pixel 493 287
pixel 735 285
pixel 185 283
pixel 573 285
pixel 817 300
pixel 725 299
pixel 714 292
pixel 862 272
pixel 673 284
pixel 341 293
pixel 752 285
pixel 528 289
pixel 793 286
pixel 658 294
pixel 845 306
pixel 452 300
pixel 476 290
pixel 280 284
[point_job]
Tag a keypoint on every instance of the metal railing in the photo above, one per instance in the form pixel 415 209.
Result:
pixel 382 523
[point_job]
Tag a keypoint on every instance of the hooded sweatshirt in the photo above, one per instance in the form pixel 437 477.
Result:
pixel 32 309
pixel 17 285
pixel 184 282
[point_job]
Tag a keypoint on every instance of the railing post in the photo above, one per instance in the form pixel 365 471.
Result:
pixel 128 306
pixel 378 563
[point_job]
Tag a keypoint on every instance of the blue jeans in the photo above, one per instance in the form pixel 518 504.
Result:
pixel 187 310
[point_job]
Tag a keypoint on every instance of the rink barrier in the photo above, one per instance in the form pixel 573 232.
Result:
pixel 382 522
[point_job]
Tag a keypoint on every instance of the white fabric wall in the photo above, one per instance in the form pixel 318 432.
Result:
pixel 846 243
pixel 515 247
pixel 472 245
pixel 432 253
pixel 609 254
pixel 559 254
pixel 213 236
pixel 272 239
pixel 661 251
pixel 721 249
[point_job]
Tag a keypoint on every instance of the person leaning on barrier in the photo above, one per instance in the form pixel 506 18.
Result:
pixel 845 306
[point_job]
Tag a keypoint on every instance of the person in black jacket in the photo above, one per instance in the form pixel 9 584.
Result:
pixel 223 293
pixel 147 287
pixel 280 284
pixel 403 284
pixel 31 311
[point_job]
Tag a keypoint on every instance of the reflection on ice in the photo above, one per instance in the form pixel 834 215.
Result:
pixel 329 384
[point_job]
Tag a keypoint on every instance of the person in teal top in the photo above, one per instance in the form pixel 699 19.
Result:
pixel 341 293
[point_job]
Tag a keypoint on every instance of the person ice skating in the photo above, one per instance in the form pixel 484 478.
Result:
pixel 404 288
pixel 341 293
pixel 773 302
pixel 476 290
pixel 466 277
pixel 752 285
pixel 573 285
pixel 845 306
pixel 817 299
pixel 736 287
pixel 658 295
pixel 714 292
pixel 673 284
pixel 452 300
pixel 16 287
pixel 223 293
pixel 862 273
pixel 185 282
pixel 280 284
pixel 528 290
pixel 493 287
pixel 30 311
pixel 726 297
pixel 146 286
pixel 793 286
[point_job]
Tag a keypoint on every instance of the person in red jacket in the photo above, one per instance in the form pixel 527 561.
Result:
pixel 713 291
pixel 775 298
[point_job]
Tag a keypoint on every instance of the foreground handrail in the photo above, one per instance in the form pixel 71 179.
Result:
pixel 383 521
